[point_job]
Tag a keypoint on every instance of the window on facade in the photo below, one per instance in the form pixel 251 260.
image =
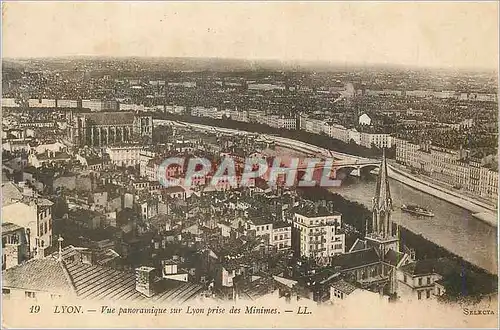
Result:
pixel 404 278
pixel 419 281
pixel 428 280
pixel 41 229
pixel 29 294
pixel 6 293
pixel 428 294
pixel 45 227
pixel 14 239
pixel 419 295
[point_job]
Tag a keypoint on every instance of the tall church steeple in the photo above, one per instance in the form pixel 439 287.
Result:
pixel 382 204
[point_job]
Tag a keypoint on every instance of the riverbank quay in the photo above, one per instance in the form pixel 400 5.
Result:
pixel 480 210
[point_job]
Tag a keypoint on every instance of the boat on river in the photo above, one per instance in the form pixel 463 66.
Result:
pixel 416 210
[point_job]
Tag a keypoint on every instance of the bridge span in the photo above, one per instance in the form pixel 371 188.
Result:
pixel 342 160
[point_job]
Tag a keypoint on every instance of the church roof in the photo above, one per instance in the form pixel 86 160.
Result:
pixel 393 257
pixel 355 259
pixel 110 118
pixel 358 245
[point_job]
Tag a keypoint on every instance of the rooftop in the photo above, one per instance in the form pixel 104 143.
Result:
pixel 355 259
pixel 10 192
pixel 440 266
pixel 8 227
pixel 313 210
pixel 110 118
pixel 343 286
pixel 91 282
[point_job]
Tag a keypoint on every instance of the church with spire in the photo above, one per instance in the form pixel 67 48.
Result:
pixel 372 262
pixel 383 233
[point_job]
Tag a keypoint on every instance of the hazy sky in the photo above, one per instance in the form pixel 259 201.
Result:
pixel 426 34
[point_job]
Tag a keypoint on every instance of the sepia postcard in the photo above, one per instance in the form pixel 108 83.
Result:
pixel 237 164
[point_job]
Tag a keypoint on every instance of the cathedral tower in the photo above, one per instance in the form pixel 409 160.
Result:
pixel 382 233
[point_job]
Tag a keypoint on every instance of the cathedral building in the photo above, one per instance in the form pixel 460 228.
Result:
pixel 100 129
pixel 372 262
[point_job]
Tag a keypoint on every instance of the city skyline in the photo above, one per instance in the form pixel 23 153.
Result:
pixel 427 35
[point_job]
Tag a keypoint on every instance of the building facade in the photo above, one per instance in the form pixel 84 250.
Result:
pixel 14 245
pixel 450 167
pixel 319 232
pixel 36 217
pixel 379 140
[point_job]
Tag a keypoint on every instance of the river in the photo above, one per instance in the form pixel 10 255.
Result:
pixel 452 227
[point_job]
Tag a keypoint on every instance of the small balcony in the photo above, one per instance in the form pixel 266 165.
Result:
pixel 318 233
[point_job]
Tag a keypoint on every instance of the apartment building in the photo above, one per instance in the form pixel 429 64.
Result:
pixel 124 155
pixel 14 245
pixel 278 233
pixel 315 126
pixel 422 279
pixel 319 231
pixel 338 132
pixel 450 167
pixel 379 140
pixel 35 215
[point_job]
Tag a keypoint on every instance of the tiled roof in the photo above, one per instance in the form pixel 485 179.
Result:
pixel 8 227
pixel 355 259
pixel 57 155
pixel 102 282
pixel 102 256
pixel 175 189
pixel 440 266
pixel 10 192
pixel 344 286
pixel 257 288
pixel 39 274
pixel 91 282
pixel 281 224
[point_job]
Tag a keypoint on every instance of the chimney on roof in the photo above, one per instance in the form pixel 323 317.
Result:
pixel 144 280
pixel 59 256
